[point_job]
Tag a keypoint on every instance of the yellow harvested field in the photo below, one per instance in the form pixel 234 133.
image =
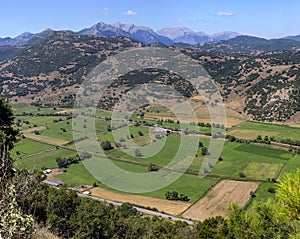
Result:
pixel 217 200
pixel 170 207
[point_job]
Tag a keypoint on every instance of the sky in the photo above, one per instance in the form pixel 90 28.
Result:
pixel 263 18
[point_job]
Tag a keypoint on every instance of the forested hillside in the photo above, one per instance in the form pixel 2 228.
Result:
pixel 49 69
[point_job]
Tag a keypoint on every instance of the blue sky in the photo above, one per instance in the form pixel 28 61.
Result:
pixel 265 18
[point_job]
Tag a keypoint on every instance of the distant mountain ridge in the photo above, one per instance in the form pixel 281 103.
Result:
pixel 188 36
pixel 172 36
pixel 50 67
pixel 139 33
pixel 146 35
pixel 17 41
pixel 249 45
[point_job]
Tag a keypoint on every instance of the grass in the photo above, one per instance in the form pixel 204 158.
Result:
pixel 26 147
pixel 236 158
pixel 292 165
pixel 255 161
pixel 43 160
pixel 250 130
pixel 190 185
pixel 22 108
pixel 77 175
pixel 38 120
pixel 262 194
pixel 262 170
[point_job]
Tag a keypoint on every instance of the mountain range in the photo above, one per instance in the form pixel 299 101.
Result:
pixel 174 36
pixel 146 35
pixel 264 86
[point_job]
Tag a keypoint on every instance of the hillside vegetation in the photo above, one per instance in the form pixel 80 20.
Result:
pixel 262 85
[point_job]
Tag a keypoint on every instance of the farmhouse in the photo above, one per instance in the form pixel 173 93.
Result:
pixel 160 129
pixel 52 183
pixel 47 171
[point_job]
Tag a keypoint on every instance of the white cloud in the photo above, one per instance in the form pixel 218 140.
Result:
pixel 130 13
pixel 225 14
pixel 106 12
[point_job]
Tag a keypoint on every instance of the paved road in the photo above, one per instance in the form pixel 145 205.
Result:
pixel 142 210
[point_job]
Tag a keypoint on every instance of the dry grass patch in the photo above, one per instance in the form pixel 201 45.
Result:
pixel 217 200
pixel 65 111
pixel 262 170
pixel 170 207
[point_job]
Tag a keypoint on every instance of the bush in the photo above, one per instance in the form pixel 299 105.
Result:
pixel 271 190
pixel 106 145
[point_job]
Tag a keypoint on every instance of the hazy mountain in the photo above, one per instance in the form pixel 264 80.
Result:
pixel 249 44
pixel 139 33
pixel 294 38
pixel 224 36
pixel 17 41
pixel 186 35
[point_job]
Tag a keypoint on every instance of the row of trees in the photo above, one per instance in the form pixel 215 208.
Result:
pixel 66 162
pixel 174 195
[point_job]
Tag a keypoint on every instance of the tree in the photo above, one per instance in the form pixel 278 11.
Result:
pixel 288 194
pixel 127 210
pixel 138 153
pixel 153 167
pixel 8 136
pixel 259 137
pixel 214 228
pixel 276 218
pixel 106 145
pixel 200 144
pixel 204 151
pixel 13 222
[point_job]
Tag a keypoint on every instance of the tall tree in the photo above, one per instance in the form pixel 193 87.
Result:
pixel 8 136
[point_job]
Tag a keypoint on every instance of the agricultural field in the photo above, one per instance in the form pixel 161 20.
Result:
pixel 216 201
pixel 23 108
pixel 250 130
pixel 27 147
pixel 172 207
pixel 44 159
pixel 47 137
pixel 238 157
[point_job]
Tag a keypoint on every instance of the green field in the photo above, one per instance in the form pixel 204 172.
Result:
pixel 37 120
pixel 22 108
pixel 257 162
pixel 292 165
pixel 43 160
pixel 262 194
pixel 263 170
pixel 78 175
pixel 250 130
pixel 26 147
pixel 237 156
